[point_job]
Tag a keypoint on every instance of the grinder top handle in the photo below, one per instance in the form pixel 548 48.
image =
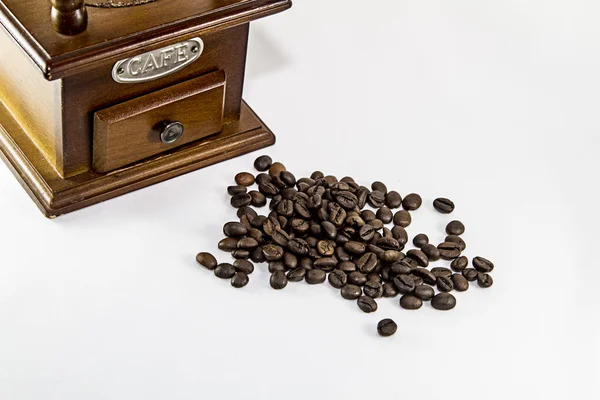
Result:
pixel 69 17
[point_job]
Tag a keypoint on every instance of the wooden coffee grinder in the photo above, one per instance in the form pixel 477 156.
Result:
pixel 102 97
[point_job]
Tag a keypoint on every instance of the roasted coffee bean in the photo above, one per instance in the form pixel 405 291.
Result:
pixel 419 256
pixel 347 266
pixel 380 186
pixel 239 280
pixel 247 243
pixel 483 265
pixel 410 302
pixel 385 215
pixel 375 249
pixel 240 254
pixel 373 289
pixel 337 215
pixel 245 210
pixel 224 271
pixel 325 248
pixel 470 274
pixel 390 256
pixel 367 262
pixel 393 199
pixel 460 282
pixel 376 199
pixel 245 220
pixel 416 279
pixel 424 292
pixel 388 243
pixel 315 276
pixel 339 187
pixel 330 179
pixel 244 179
pixel 443 301
pixel 444 284
pixel 400 234
pixel 346 199
pixel 341 254
pixel 257 199
pixel 357 278
pixel 374 276
pixel 441 271
pixel 386 327
pixel 404 283
pixel 299 226
pixel 337 279
pixel 367 215
pixel 315 201
pixel 458 240
pixel 443 205
pixel 237 189
pixel 290 260
pixel 449 250
pixel 244 266
pixel 285 208
pixel 234 229
pixel 272 252
pixel 278 280
pixel 268 189
pixel 341 239
pixel 280 237
pixel 207 260
pixel 389 290
pixel 420 240
pixel 275 266
pixel 263 163
pixel 455 228
pixel 402 218
pixel 459 264
pixel 484 280
pixel 288 178
pixel 276 168
pixel 376 223
pixel 263 178
pixel 306 263
pixel 276 180
pixel 257 255
pixel 432 252
pixel 412 202
pixel 355 248
pixel 302 210
pixel 298 246
pixel 354 221
pixel 329 229
pixel 426 275
pixel 296 274
pixel 351 292
pixel 317 175
pixel 401 268
pixel 367 304
pixel 366 232
pixel 326 264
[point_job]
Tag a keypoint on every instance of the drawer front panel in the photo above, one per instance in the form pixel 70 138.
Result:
pixel 135 130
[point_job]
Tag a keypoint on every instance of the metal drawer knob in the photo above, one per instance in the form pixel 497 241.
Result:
pixel 171 132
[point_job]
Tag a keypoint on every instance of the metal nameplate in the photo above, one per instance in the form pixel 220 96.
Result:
pixel 158 63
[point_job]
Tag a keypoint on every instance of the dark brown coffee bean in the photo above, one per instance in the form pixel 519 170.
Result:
pixel 247 243
pixel 458 240
pixel 441 271
pixel 341 254
pixel 449 250
pixel 373 289
pixel 337 279
pixel 315 276
pixel 443 301
pixel 351 292
pixel 374 276
pixel 278 280
pixel 240 254
pixel 470 274
pixel 237 189
pixel 234 229
pixel 346 199
pixel 417 279
pixel 444 284
pixel 388 243
pixel 325 248
pixel 268 189
pixel 385 215
pixel 290 260
pixel 432 252
pixel 288 178
pixel 401 268
pixel 410 302
pixel 276 168
pixel 390 256
pixel 317 175
pixel 296 274
pixel 380 186
pixel 484 280
pixel 367 262
pixel 244 179
pixel 424 292
pixel 244 266
pixel 366 232
pixel 419 256
pixel 426 275
pixel 393 199
pixel 386 327
pixel 455 228
pixel 263 178
pixel 402 218
pixel 357 278
pixel 326 264
pixel 355 248
pixel 275 266
pixel 368 215
pixel 367 304
pixel 400 234
pixel 272 252
pixel 245 210
pixel 483 265
pixel 224 271
pixel 459 264
pixel 239 280
pixel 420 240
pixel 347 266
pixel 257 199
pixel 337 215
pixel 207 260
pixel 412 202
pixel 298 246
pixel 389 290
pixel 443 205
pixel 257 255
pixel 404 283
pixel 460 282
pixel 376 199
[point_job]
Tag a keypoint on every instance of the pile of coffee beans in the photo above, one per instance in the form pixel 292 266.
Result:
pixel 320 229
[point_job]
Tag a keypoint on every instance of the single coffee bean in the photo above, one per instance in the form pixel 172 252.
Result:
pixel 296 274
pixel 278 280
pixel 288 178
pixel 341 254
pixel 483 265
pixel 443 301
pixel 326 264
pixel 330 179
pixel 470 274
pixel 385 215
pixel 388 243
pixel 234 229
pixel 298 246
pixel 239 280
pixel 207 260
pixel 373 289
pixel 244 266
pixel 337 279
pixel 380 186
pixel 244 179
pixel 237 189
pixel 346 199
pixel 367 304
pixel 419 256
pixel 393 199
pixel 375 249
pixel 420 240
pixel 280 237
pixel 458 240
pixel 263 178
pixel 459 264
pixel 317 175
pixel 484 280
pixel 424 292
pixel 449 250
pixel 404 283
pixel 325 248
pixel 400 234
pixel 257 255
pixel 441 271
pixel 374 276
pixel 224 271
pixel 268 189
pixel 390 256
pixel 367 262
pixel 366 232
pixel 351 292
pixel 444 284
pixel 386 327
pixel 263 163
pixel 357 278
pixel 402 218
pixel 376 199
pixel 417 279
pixel 410 302
pixel 432 252
pixel 272 252
pixel 376 224
pixel 257 199
pixel 247 243
pixel 389 290
pixel 290 260
pixel 347 266
pixel 275 266
pixel 337 215
pixel 401 268
pixel 240 254
pixel 412 202
pixel 426 275
pixel 443 205
pixel 460 282
pixel 275 169
pixel 355 248
pixel 285 208
pixel 368 215
pixel 455 228
pixel 329 229
pixel 315 276
pixel 245 210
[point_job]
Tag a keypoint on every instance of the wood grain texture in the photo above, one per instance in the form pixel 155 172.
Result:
pixel 112 32
pixel 130 131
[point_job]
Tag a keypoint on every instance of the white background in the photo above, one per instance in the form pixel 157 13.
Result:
pixel 493 104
